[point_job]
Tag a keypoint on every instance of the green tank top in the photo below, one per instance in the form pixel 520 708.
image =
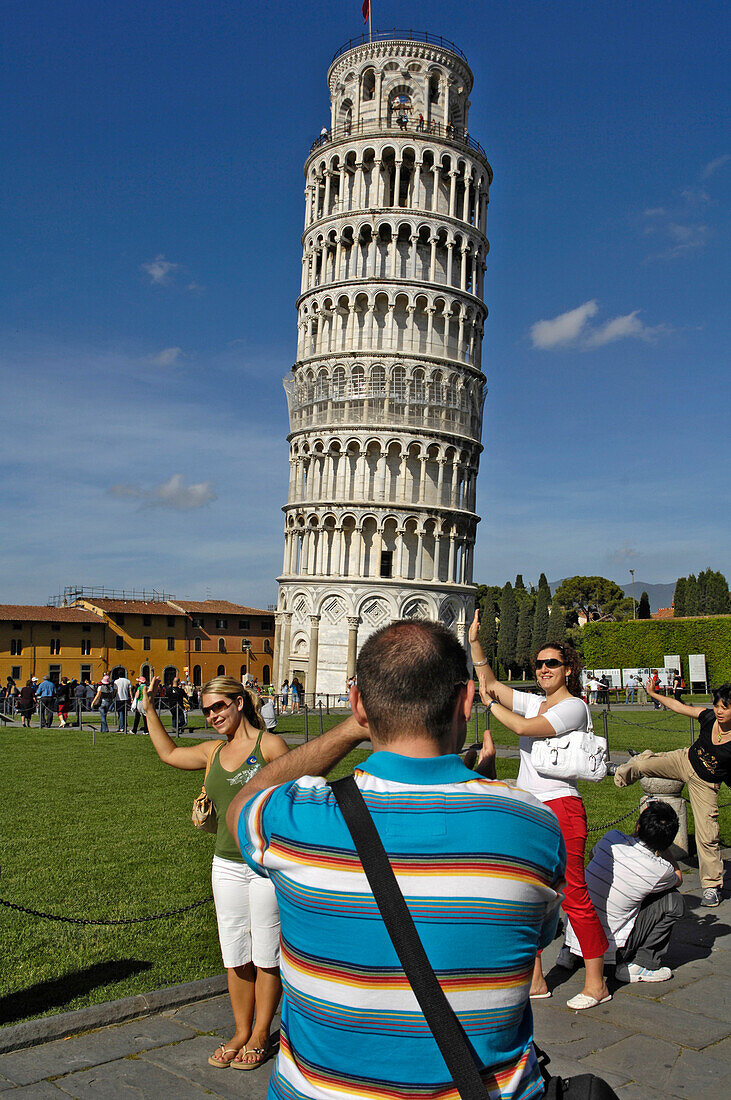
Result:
pixel 221 786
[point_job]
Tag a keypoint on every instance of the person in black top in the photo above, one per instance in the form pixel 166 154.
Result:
pixel 704 767
pixel 177 701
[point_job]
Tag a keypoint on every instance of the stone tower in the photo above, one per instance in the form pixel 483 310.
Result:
pixel 386 396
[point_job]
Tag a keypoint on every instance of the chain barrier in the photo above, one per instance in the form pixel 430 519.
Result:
pixel 611 824
pixel 109 922
pixel 612 716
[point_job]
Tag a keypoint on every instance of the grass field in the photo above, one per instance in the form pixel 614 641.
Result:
pixel 103 831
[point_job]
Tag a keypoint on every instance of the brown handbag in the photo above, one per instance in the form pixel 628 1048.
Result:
pixel 204 812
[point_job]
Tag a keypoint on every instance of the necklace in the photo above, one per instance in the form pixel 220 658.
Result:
pixel 720 736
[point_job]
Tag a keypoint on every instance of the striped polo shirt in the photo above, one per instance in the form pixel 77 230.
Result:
pixel 480 865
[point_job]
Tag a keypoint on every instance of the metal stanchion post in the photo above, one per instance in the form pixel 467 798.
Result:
pixel 606 729
pixel 321 726
pixel 307 732
pixel 477 725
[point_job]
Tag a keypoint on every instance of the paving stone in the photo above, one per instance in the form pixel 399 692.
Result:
pixel 574 1034
pixel 5 1084
pixel 129 1077
pixel 706 996
pixel 39 1090
pixel 563 1066
pixel 190 1060
pixel 720 1050
pixel 214 1015
pixel 634 1091
pixel 630 1058
pixel 67 1055
pixel 699 1074
pixel 658 1019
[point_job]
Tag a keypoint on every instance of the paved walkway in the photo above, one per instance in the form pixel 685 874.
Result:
pixel 667 1040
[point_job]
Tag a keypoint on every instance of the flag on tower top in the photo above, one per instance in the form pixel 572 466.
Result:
pixel 366 10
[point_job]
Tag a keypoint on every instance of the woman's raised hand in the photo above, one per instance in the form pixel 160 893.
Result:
pixel 151 693
pixel 474 627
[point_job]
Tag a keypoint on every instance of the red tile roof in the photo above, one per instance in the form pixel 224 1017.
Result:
pixel 41 614
pixel 219 607
pixel 134 607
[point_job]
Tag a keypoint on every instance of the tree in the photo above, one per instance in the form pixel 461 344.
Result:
pixel 717 595
pixel 488 626
pixel 596 597
pixel 556 624
pixel 540 618
pixel 524 641
pixel 543 583
pixel 643 610
pixel 679 598
pixel 507 636
pixel 692 604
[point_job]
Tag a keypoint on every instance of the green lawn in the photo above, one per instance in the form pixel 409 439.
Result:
pixel 103 831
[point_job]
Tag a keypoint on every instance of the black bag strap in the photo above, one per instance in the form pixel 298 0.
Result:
pixel 438 1013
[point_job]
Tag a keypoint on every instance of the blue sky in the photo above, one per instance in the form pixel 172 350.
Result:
pixel 153 206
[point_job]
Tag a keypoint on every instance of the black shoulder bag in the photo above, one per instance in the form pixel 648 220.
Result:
pixel 438 1013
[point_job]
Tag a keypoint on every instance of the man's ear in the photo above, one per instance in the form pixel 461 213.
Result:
pixel 468 699
pixel 356 705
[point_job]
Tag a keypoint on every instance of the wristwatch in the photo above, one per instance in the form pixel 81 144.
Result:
pixel 490 705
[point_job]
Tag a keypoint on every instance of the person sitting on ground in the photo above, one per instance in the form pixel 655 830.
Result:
pixel 633 884
pixel 480 863
pixel 704 767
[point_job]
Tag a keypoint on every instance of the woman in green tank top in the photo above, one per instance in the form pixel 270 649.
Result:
pixel 246 907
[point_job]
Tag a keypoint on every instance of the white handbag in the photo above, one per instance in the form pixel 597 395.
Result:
pixel 579 754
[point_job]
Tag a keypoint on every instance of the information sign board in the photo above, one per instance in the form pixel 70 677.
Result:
pixel 697 669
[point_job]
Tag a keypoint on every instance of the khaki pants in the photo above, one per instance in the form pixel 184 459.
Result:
pixel 703 799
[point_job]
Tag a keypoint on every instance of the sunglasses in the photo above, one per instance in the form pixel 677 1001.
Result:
pixel 549 662
pixel 216 708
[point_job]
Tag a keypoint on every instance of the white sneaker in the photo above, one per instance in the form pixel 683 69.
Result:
pixel 636 973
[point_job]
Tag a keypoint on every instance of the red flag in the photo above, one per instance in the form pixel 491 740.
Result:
pixel 366 10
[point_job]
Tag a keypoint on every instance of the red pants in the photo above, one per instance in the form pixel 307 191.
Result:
pixel 577 904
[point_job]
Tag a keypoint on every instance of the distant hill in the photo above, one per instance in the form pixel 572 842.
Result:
pixel 660 595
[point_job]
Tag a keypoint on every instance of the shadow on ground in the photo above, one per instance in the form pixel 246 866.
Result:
pixel 57 992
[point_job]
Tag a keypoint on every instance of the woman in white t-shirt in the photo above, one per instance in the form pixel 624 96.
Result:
pixel 558 673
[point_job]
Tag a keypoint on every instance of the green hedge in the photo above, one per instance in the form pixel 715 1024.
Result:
pixel 639 643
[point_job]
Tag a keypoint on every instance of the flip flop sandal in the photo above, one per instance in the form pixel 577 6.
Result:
pixel 263 1054
pixel 220 1063
pixel 541 996
pixel 583 1000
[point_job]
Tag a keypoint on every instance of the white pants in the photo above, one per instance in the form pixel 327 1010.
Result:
pixel 247 914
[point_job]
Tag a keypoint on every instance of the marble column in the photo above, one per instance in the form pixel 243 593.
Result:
pixel 353 621
pixel 286 645
pixel 312 662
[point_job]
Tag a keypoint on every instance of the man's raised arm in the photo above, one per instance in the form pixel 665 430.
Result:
pixel 316 757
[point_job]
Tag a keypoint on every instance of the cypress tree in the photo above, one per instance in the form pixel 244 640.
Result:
pixel 717 595
pixel 540 619
pixel 679 598
pixel 488 628
pixel 524 641
pixel 643 610
pixel 692 605
pixel 556 624
pixel 543 583
pixel 507 636
pixel 703 581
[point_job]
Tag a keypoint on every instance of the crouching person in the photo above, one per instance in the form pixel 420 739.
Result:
pixel 633 882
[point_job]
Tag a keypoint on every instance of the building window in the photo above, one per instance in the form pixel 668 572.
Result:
pixel 197 645
pixel 119 642
pixel 171 620
pixel 86 628
pixel 146 642
pixel 242 672
pixel 196 676
pixel 244 624
pixel 198 624
pixel 54 673
pixel 86 647
pixel 267 624
pixel 145 671
pixel 386 563
pixel 267 646
pixel 147 620
pixel 15 672
pixel 221 645
pixel 171 644
pixel 221 624
pixel 221 670
pixel 265 675
pixel 16 647
pixel 55 647
pixel 85 672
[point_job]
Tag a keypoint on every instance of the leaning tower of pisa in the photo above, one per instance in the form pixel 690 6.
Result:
pixel 387 391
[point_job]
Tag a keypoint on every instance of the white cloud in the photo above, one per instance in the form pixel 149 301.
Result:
pixel 572 329
pixel 564 329
pixel 714 165
pixel 166 357
pixel 159 270
pixel 172 493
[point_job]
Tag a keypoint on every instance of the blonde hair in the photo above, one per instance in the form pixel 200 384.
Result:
pixel 233 688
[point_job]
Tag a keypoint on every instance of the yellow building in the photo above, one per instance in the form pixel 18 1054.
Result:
pixel 191 639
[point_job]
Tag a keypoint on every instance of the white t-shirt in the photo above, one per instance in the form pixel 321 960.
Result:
pixel 621 874
pixel 569 714
pixel 123 688
pixel 267 713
